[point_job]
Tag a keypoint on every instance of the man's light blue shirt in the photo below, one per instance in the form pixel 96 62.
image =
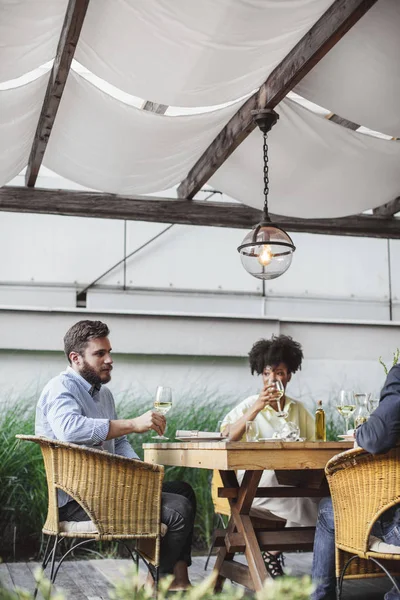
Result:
pixel 68 412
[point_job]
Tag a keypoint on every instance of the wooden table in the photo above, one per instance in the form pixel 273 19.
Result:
pixel 300 464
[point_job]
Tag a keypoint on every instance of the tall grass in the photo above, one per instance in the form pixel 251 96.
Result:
pixel 23 490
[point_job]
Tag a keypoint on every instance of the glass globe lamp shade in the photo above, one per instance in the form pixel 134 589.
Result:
pixel 266 252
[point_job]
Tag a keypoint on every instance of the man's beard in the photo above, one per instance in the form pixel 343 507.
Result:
pixel 91 375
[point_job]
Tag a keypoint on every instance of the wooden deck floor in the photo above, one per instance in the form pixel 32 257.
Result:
pixel 92 579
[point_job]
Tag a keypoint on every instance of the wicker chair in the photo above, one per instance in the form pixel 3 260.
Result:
pixel 363 486
pixel 122 497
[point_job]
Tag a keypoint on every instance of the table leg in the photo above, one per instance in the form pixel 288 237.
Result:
pixel 240 521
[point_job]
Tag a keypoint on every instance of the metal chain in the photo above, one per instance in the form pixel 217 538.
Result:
pixel 266 178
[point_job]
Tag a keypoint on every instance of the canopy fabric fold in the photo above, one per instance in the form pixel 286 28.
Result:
pixel 359 78
pixel 191 53
pixel 317 168
pixel 29 34
pixel 100 142
pixel 19 114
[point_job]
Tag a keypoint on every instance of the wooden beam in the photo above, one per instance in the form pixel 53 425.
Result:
pixel 70 33
pixel 343 122
pixel 166 210
pixel 389 209
pixel 154 107
pixel 326 32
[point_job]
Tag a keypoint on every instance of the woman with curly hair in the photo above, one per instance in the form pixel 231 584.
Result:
pixel 275 359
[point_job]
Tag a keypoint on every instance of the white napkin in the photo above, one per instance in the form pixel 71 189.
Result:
pixel 193 433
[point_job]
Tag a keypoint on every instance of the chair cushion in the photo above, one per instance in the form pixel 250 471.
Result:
pixel 90 527
pixel 378 545
pixel 78 527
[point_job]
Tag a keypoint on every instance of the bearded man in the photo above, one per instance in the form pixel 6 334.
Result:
pixel 76 406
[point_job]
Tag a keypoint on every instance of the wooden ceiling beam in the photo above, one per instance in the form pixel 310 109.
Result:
pixel 70 33
pixel 326 32
pixel 343 122
pixel 166 210
pixel 154 107
pixel 389 209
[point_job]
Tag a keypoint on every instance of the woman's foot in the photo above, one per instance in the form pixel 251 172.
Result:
pixel 273 563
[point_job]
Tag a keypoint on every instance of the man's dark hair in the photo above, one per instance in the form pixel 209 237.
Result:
pixel 279 349
pixel 77 337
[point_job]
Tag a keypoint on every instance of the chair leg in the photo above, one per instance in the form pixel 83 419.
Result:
pixel 46 557
pixel 219 520
pixel 384 569
pixel 156 581
pixel 340 579
pixel 53 559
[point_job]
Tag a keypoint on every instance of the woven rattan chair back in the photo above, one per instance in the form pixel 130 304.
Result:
pixel 363 486
pixel 121 496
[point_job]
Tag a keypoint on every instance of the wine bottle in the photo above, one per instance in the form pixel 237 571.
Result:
pixel 320 425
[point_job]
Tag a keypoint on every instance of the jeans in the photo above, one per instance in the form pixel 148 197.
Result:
pixel 178 510
pixel 323 567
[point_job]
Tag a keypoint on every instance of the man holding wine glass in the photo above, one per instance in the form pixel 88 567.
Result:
pixel 271 410
pixel 77 407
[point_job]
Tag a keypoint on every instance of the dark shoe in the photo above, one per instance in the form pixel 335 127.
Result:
pixel 273 564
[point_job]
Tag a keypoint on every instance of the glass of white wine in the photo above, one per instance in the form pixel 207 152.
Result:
pixel 372 404
pixel 280 388
pixel 345 406
pixel 162 404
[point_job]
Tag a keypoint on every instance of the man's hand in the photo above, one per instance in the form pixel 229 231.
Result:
pixel 149 420
pixel 268 397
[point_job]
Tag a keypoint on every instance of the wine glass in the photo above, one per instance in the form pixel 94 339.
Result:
pixel 345 406
pixel 280 388
pixel 162 404
pixel 372 404
pixel 251 431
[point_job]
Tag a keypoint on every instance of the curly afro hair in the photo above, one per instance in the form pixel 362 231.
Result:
pixel 271 352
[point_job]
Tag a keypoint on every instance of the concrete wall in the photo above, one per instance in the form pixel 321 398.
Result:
pixel 198 356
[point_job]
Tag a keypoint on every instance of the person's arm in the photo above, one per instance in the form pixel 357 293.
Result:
pixel 149 420
pixel 266 397
pixel 68 424
pixel 382 430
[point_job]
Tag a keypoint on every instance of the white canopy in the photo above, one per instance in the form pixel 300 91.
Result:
pixel 191 53
pixel 317 168
pixel 106 144
pixel 201 54
pixel 359 78
pixel 19 113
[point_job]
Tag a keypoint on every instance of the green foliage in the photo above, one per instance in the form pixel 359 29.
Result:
pixel 130 588
pixel 396 356
pixel 23 490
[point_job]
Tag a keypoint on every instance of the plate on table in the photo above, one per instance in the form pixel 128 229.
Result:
pixel 347 437
pixel 191 438
pixel 272 439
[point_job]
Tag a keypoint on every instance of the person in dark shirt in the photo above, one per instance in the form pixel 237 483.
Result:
pixel 379 434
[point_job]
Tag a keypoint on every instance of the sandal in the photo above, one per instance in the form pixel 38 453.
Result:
pixel 273 564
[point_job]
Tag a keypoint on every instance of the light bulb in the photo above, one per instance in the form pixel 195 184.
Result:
pixel 265 256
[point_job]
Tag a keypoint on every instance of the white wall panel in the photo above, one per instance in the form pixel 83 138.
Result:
pixel 49 248
pixel 337 355
pixel 338 267
pixel 189 257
